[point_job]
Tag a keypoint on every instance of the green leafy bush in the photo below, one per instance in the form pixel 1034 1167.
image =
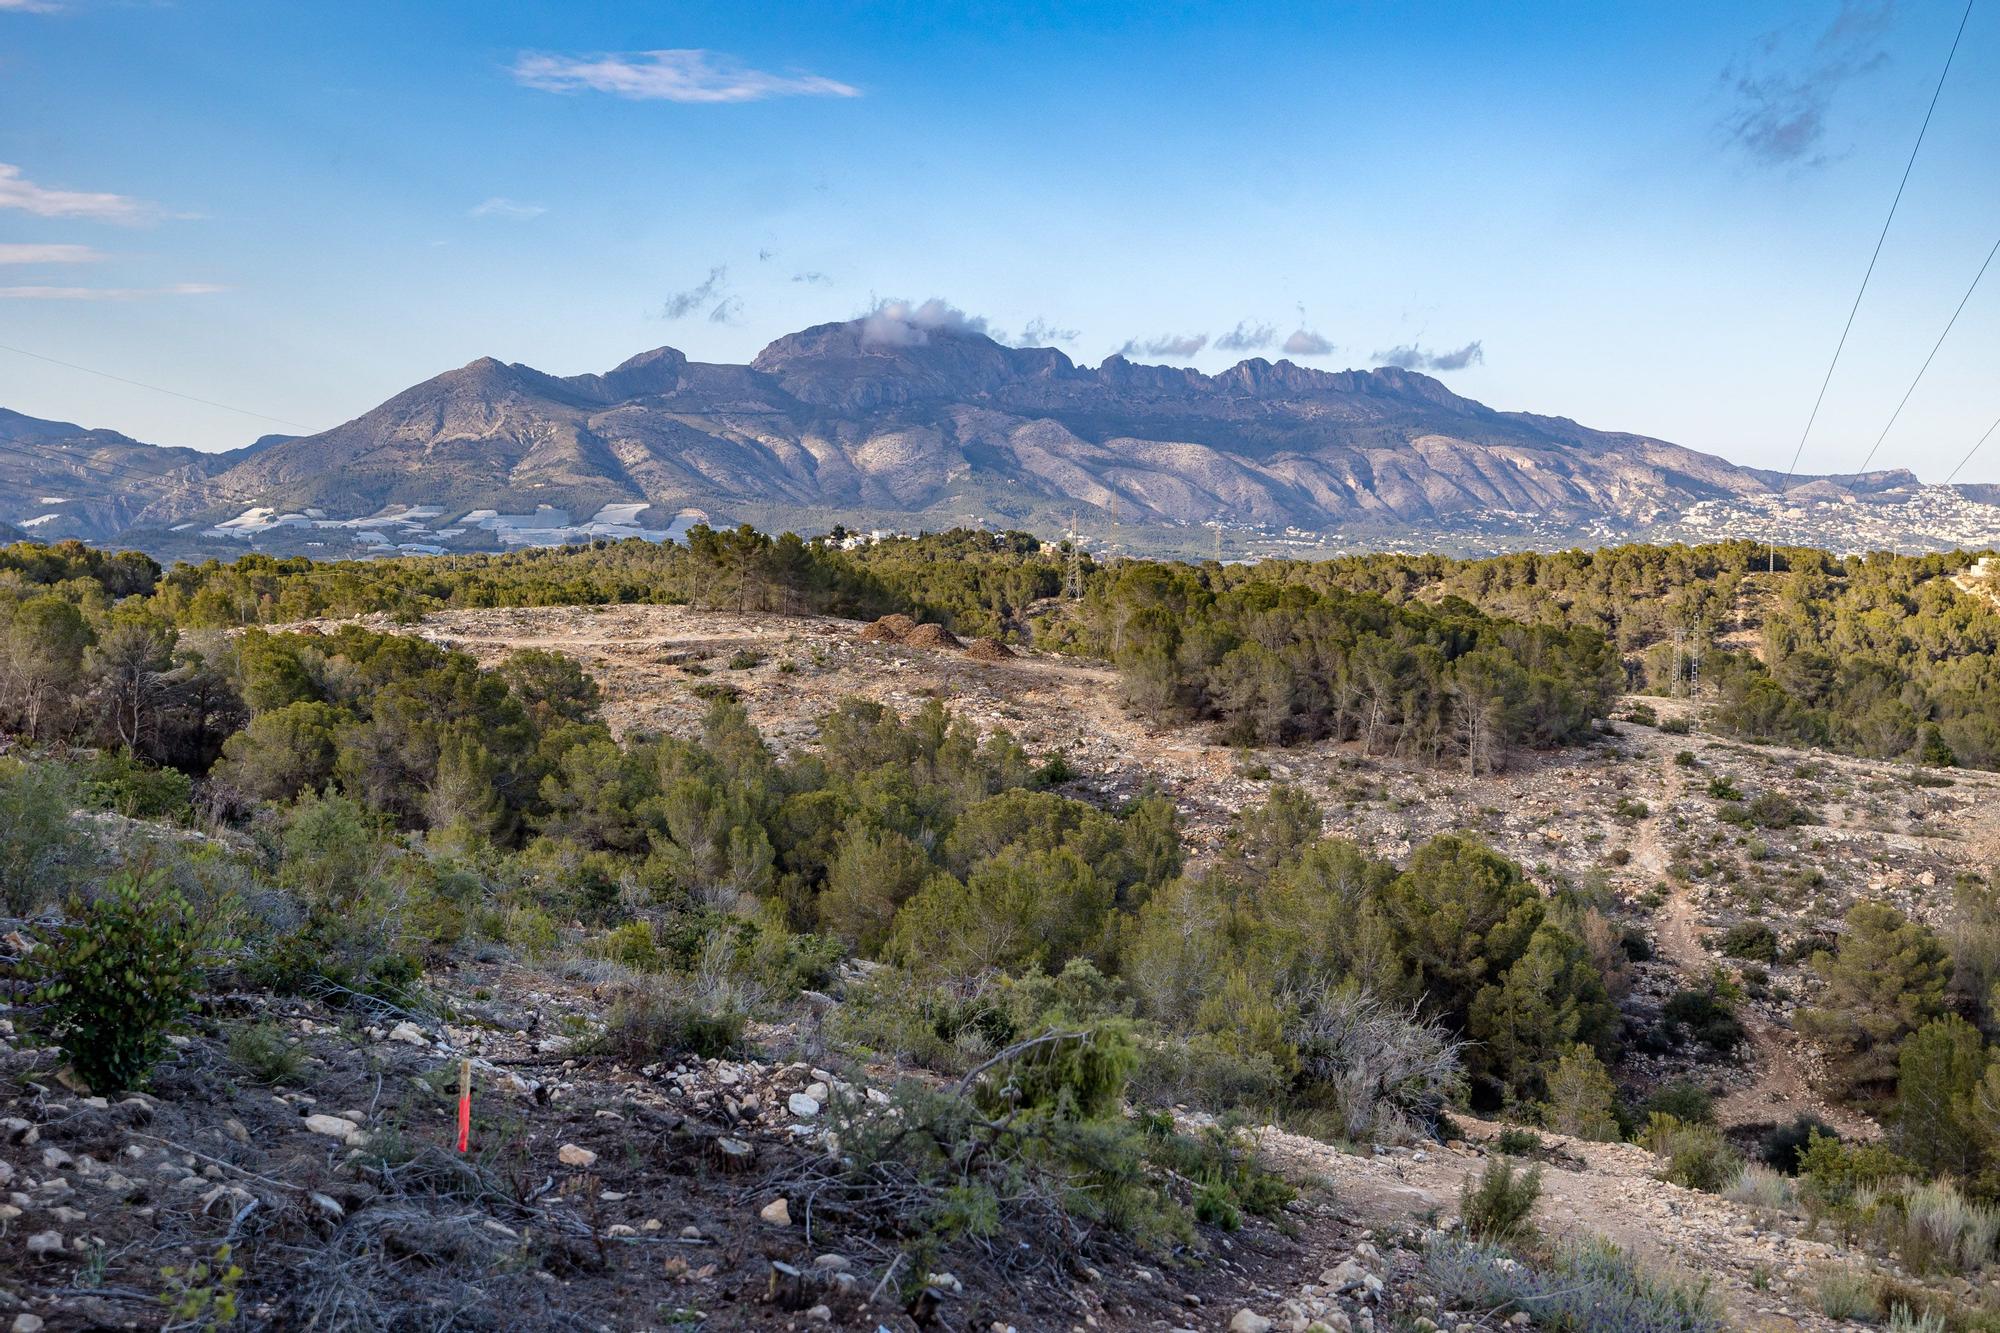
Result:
pixel 115 978
pixel 43 855
pixel 1752 940
pixel 1592 1287
pixel 1708 1015
pixel 1694 1156
pixel 265 1053
pixel 1689 1102
pixel 1783 1145
pixel 655 1021
pixel 1498 1206
pixel 116 781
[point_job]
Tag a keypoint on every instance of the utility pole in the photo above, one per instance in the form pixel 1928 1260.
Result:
pixel 1075 560
pixel 1680 652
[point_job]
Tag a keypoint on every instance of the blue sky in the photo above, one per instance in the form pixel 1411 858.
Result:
pixel 1645 217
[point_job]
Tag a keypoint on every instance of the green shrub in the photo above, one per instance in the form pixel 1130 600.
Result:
pixel 1707 1015
pixel 1582 1102
pixel 630 945
pixel 116 781
pixel 1846 1293
pixel 1592 1287
pixel 1937 1229
pixel 1685 1101
pixel 43 854
pixel 1695 1156
pixel 939 1165
pixel 1752 940
pixel 1760 1187
pixel 1902 1319
pixel 1499 1205
pixel 116 977
pixel 1782 1146
pixel 264 1053
pixel 1844 1181
pixel 1517 1142
pixel 652 1022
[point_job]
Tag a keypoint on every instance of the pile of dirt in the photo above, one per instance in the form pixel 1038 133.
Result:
pixel 930 636
pixel 889 629
pixel 988 650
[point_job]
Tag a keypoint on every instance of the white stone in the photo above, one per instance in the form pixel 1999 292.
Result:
pixel 777 1213
pixel 575 1154
pixel 804 1106
pixel 409 1034
pixel 333 1126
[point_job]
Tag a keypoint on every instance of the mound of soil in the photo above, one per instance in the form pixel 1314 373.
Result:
pixel 930 636
pixel 988 650
pixel 889 629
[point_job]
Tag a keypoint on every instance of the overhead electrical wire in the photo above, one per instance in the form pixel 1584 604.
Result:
pixel 1927 360
pixel 1855 309
pixel 140 384
pixel 1973 450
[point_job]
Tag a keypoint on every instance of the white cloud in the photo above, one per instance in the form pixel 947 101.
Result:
pixel 1306 342
pixel 901 324
pixel 29 6
pixel 1246 337
pixel 17 191
pixel 1179 346
pixel 106 293
pixel 27 253
pixel 1041 333
pixel 684 303
pixel 670 76
pixel 1413 357
pixel 498 207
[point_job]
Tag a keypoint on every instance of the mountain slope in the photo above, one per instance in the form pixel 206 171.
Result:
pixel 880 419
pixel 58 479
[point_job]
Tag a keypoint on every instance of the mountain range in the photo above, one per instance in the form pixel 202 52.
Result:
pixel 899 424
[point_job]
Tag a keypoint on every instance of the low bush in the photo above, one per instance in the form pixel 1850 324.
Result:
pixel 1751 940
pixel 113 980
pixel 1499 1205
pixel 1696 1157
pixel 1758 1186
pixel 43 854
pixel 1936 1229
pixel 1587 1288
pixel 264 1053
pixel 1031 1147
pixel 1683 1100
pixel 1782 1146
pixel 655 1020
pixel 1707 1015
pixel 1846 1293
pixel 116 781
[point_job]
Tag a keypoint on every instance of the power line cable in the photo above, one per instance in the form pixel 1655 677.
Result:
pixel 1872 258
pixel 140 384
pixel 1927 360
pixel 1970 452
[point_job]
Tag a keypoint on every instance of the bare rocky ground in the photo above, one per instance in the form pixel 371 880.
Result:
pixel 605 1197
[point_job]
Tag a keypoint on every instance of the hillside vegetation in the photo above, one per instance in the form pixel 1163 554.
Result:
pixel 1028 1013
